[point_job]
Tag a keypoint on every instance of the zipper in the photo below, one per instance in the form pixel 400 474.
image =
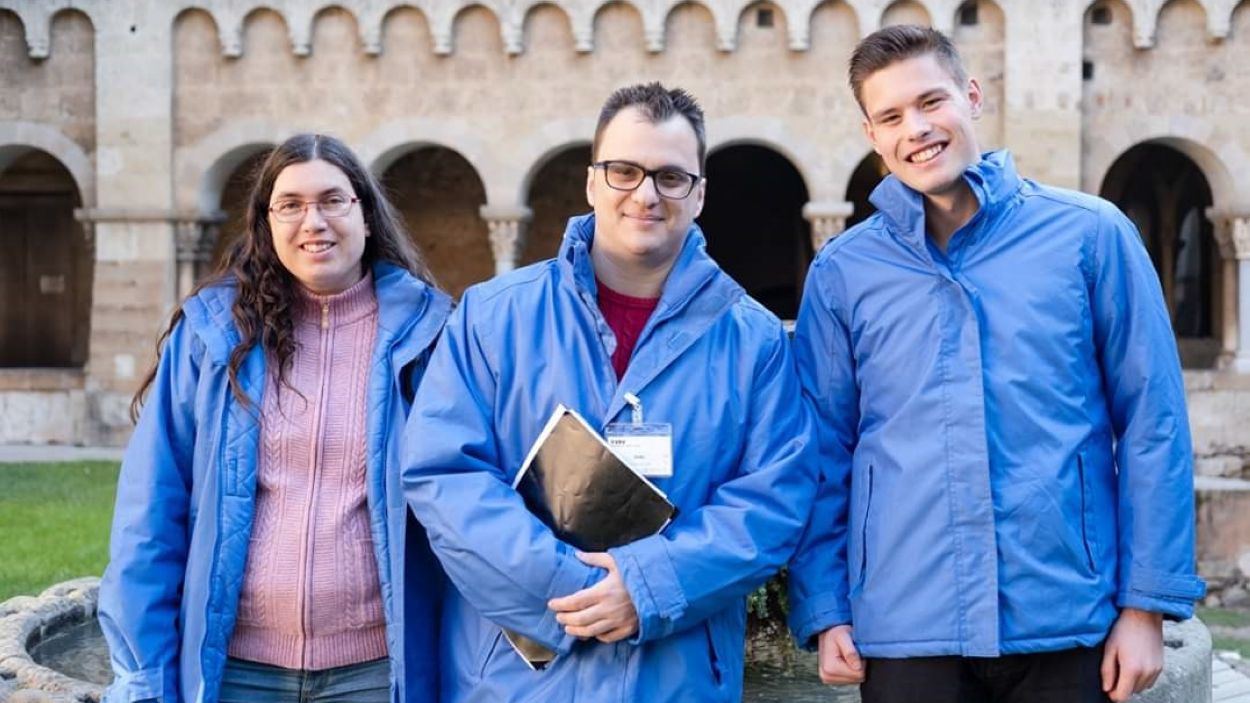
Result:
pixel 1089 553
pixel 863 532
pixel 314 459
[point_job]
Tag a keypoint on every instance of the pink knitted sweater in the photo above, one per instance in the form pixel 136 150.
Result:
pixel 311 597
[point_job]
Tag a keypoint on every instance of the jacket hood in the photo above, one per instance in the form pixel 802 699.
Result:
pixel 993 180
pixel 692 270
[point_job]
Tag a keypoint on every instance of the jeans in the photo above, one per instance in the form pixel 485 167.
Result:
pixel 252 682
pixel 1066 676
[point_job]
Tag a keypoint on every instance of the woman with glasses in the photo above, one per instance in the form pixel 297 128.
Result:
pixel 261 548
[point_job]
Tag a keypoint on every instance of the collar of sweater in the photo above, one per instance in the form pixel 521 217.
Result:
pixel 339 309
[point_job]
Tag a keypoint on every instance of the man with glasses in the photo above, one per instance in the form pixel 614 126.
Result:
pixel 631 323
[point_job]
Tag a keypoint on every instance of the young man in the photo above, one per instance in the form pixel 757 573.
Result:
pixel 631 305
pixel 1006 508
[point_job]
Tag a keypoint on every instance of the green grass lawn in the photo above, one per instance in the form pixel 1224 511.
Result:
pixel 54 519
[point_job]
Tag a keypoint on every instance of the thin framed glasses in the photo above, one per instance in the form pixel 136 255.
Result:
pixel 292 210
pixel 670 183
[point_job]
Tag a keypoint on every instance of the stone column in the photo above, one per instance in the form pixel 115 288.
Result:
pixel 1223 230
pixel 828 220
pixel 194 238
pixel 507 233
pixel 1239 227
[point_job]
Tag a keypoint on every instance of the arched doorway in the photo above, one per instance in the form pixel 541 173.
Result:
pixel 557 191
pixel 1166 195
pixel 865 178
pixel 47 270
pixel 753 219
pixel 439 195
pixel 233 204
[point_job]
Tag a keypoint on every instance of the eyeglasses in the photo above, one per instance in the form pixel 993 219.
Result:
pixel 333 205
pixel 670 183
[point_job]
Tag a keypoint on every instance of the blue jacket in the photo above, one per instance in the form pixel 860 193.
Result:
pixel 1006 454
pixel 186 499
pixel 710 361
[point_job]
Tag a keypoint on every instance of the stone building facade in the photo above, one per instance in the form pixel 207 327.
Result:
pixel 128 130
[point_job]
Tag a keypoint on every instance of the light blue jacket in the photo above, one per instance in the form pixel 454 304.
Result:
pixel 1006 454
pixel 186 500
pixel 710 361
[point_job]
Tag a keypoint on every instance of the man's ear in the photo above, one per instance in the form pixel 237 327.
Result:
pixel 590 186
pixel 976 100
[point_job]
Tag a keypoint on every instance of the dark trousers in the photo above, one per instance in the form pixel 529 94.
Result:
pixel 1067 676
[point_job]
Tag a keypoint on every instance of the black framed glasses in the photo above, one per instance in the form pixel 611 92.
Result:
pixel 671 183
pixel 332 205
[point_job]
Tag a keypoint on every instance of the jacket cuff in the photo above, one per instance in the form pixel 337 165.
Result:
pixel 1160 592
pixel 154 684
pixel 572 575
pixel 814 615
pixel 647 570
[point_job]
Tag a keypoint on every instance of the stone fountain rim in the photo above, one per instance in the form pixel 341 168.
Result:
pixel 26 621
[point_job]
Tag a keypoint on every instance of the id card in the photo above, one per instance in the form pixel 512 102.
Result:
pixel 647 446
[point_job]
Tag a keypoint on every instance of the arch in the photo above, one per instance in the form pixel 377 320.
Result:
pixel 724 23
pixel 250 17
pixel 47 272
pixel 510 184
pixel 1187 137
pixel 767 249
pixel 526 10
pixel 373 20
pixel 906 12
pixel 645 24
pixel 555 191
pixel 440 195
pixel 236 184
pixel 443 24
pixel 200 188
pixel 1167 196
pixel 783 19
pixel 304 32
pixel 867 174
pixel 775 135
pixel 382 147
pixel 17 137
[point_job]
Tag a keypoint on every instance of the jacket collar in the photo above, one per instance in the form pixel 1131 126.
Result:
pixel 993 181
pixel 696 295
pixel 403 301
pixel 692 270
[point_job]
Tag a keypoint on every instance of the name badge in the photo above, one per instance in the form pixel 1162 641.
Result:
pixel 647 447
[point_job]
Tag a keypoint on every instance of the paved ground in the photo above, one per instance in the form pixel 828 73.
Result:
pixel 25 453
pixel 1227 684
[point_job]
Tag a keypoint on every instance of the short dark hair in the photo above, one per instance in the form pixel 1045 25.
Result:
pixel 898 42
pixel 658 104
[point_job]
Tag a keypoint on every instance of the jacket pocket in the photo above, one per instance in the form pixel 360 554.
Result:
pixel 488 647
pixel 714 658
pixel 861 528
pixel 1086 541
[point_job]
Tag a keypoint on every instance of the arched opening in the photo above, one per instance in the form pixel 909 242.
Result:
pixel 906 12
pixel 557 191
pixel 234 204
pixel 1166 195
pixel 47 270
pixel 867 175
pixel 439 195
pixel 753 219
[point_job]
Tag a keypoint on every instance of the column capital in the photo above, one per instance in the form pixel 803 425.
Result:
pixel 506 225
pixel 828 219
pixel 1232 233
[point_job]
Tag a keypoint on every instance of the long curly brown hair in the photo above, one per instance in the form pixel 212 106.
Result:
pixel 265 289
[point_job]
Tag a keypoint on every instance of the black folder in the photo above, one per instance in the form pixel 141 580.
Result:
pixel 573 482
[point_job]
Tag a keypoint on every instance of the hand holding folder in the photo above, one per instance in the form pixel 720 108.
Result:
pixel 573 482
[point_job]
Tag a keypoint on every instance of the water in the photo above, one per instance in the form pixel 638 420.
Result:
pixel 79 651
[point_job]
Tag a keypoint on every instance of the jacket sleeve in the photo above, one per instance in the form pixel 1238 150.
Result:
pixel 140 593
pixel 1146 398
pixel 500 557
pixel 819 579
pixel 710 558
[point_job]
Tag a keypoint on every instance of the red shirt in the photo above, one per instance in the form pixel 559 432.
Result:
pixel 626 315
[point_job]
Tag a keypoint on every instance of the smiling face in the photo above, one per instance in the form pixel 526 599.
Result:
pixel 638 227
pixel 322 253
pixel 919 120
